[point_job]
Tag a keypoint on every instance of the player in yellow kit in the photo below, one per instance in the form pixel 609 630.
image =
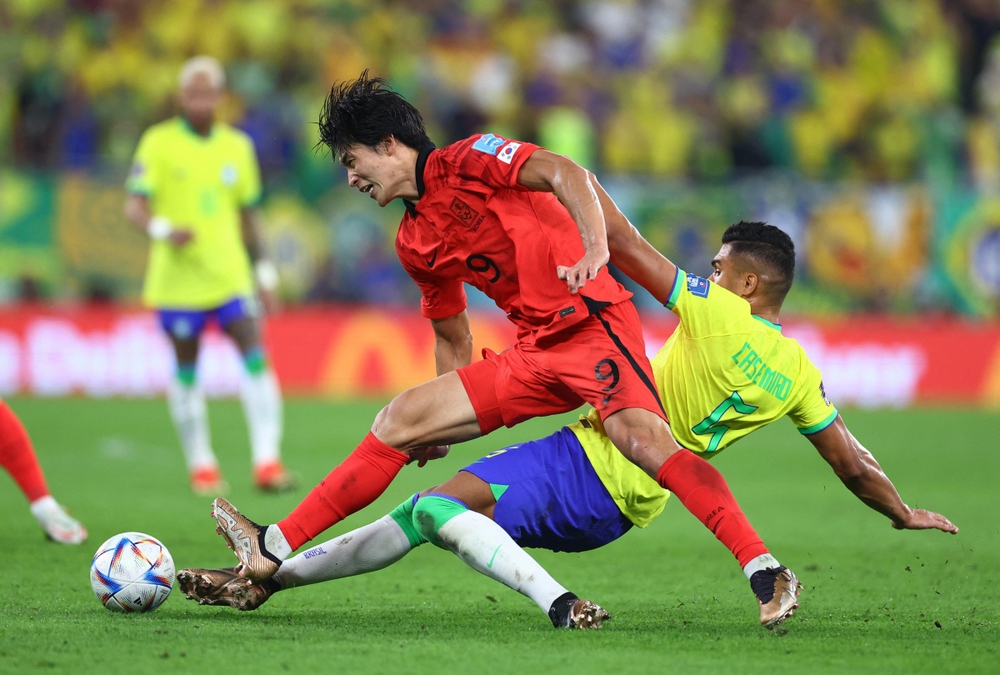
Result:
pixel 193 189
pixel 726 371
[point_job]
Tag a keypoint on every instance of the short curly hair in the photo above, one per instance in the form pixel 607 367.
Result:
pixel 765 246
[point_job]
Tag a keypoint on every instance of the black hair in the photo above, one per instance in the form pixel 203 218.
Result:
pixel 765 246
pixel 366 111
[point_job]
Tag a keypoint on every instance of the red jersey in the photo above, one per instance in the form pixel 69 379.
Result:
pixel 474 223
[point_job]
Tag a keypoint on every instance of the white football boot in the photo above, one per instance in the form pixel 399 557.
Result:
pixel 59 526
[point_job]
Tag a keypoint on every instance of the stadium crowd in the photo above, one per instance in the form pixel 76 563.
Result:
pixel 876 91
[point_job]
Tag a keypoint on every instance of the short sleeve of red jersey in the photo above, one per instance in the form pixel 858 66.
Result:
pixel 490 159
pixel 440 297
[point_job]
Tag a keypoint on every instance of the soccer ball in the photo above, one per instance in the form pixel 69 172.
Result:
pixel 132 572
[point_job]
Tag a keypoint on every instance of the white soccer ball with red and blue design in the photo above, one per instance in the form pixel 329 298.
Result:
pixel 132 572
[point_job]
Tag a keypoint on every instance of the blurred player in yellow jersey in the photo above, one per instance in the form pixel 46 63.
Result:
pixel 726 371
pixel 193 189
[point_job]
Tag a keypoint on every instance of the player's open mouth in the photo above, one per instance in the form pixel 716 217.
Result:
pixel 368 189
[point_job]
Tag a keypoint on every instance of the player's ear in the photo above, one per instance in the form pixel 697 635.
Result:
pixel 751 282
pixel 387 145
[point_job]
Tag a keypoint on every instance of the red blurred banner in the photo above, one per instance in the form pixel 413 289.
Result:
pixel 348 352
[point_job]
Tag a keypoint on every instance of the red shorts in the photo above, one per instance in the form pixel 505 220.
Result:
pixel 601 361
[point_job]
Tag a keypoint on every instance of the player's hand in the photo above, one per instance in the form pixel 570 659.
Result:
pixel 180 237
pixel 919 519
pixel 577 276
pixel 424 455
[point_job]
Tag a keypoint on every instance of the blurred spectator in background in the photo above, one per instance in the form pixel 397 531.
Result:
pixel 872 91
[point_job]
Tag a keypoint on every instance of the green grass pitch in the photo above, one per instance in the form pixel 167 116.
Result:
pixel 875 600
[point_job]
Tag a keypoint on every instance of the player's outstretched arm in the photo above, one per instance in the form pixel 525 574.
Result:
pixel 631 253
pixel 546 171
pixel 863 476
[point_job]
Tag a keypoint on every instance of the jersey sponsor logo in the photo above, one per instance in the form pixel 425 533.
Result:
pixel 697 286
pixel 466 214
pixel 488 143
pixel 229 175
pixel 507 153
pixel 433 259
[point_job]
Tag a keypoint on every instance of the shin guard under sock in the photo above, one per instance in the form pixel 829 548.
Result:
pixel 704 492
pixel 357 482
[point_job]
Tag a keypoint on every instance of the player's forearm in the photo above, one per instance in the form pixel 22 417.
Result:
pixel 137 211
pixel 252 239
pixel 265 272
pixel 452 342
pixel 858 470
pixel 452 354
pixel 576 192
pixel 870 484
pixel 631 253
pixel 573 185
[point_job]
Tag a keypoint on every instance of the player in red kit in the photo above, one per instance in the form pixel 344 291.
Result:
pixel 17 457
pixel 527 227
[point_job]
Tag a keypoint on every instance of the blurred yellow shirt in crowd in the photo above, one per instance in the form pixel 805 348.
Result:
pixel 200 183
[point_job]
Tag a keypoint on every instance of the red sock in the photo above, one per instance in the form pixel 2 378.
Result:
pixel 353 485
pixel 18 457
pixel 703 491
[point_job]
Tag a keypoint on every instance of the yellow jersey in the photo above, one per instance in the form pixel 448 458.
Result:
pixel 201 183
pixel 723 373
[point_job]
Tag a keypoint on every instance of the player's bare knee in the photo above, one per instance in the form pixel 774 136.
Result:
pixel 647 446
pixel 395 424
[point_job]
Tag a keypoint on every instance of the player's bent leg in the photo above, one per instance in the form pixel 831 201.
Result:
pixel 434 413
pixel 366 549
pixel 438 412
pixel 468 489
pixel 645 439
pixel 487 548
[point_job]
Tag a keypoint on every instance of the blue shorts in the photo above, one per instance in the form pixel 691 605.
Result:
pixel 549 496
pixel 185 324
